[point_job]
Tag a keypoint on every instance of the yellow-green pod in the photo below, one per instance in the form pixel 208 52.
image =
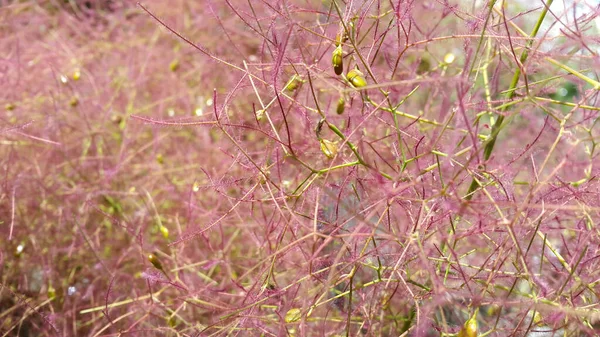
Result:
pixel 329 148
pixel 470 329
pixel 293 83
pixel 355 77
pixel 174 65
pixel 164 231
pixel 155 262
pixel 51 292
pixel 341 106
pixel 424 66
pixel 293 315
pixel 337 60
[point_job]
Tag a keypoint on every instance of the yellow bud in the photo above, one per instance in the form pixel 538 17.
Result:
pixel 449 58
pixel 76 74
pixel 329 148
pixel 74 102
pixel 470 328
pixel 9 106
pixel 174 65
pixel 355 77
pixel 337 60
pixel 51 292
pixel 164 231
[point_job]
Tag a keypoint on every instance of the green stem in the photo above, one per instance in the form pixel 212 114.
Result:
pixel 489 147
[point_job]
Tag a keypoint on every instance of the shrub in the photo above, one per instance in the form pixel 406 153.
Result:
pixel 298 168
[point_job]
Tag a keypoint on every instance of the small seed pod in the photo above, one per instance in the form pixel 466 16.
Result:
pixel 117 119
pixel 155 262
pixel 337 60
pixel 174 65
pixel 355 77
pixel 293 315
pixel 470 329
pixel 293 83
pixel 341 106
pixel 76 74
pixel 329 148
pixel 424 66
pixel 164 231
pixel 51 292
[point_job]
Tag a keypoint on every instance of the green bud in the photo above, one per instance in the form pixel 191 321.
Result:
pixel 51 292
pixel 341 106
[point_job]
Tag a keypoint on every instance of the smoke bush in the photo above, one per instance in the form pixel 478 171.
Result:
pixel 301 168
